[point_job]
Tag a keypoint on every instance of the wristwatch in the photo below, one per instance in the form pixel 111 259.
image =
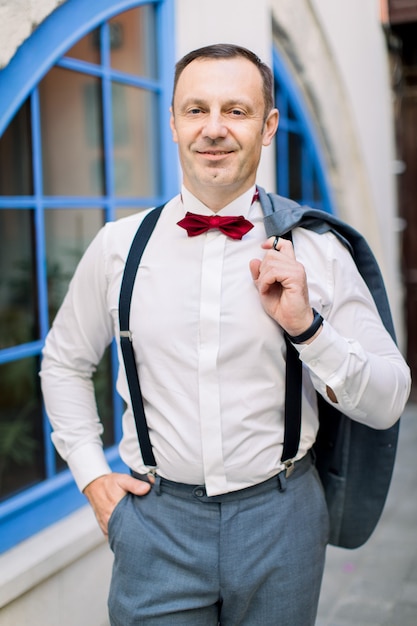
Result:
pixel 311 330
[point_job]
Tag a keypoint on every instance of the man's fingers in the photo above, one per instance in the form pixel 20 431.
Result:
pixel 279 244
pixel 133 485
pixel 105 492
pixel 254 266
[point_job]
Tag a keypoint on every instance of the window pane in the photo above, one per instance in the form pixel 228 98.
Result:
pixel 291 115
pixel 21 434
pixel 127 211
pixel 281 102
pixel 16 156
pixel 68 232
pixel 316 190
pixel 133 42
pixel 18 318
pixel 87 48
pixel 294 149
pixel 71 118
pixel 134 141
pixel 103 386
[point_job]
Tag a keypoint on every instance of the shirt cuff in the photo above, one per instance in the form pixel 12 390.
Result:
pixel 326 355
pixel 88 463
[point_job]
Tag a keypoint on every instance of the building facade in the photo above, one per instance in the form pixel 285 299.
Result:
pixel 85 91
pixel 400 18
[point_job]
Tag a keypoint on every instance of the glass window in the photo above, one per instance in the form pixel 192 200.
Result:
pixel 300 174
pixel 84 147
pixel 16 156
pixel 71 130
pixel 21 426
pixel 87 48
pixel 67 235
pixel 18 307
pixel 103 385
pixel 135 171
pixel 131 49
pixel 295 165
pixel 126 212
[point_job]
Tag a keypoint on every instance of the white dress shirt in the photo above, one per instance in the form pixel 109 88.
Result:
pixel 211 362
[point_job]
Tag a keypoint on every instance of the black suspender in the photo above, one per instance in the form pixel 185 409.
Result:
pixel 132 263
pixel 292 412
pixel 293 395
pixel 293 377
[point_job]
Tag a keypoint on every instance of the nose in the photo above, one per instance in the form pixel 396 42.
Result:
pixel 214 126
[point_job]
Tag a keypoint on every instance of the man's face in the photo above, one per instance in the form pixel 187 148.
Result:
pixel 218 121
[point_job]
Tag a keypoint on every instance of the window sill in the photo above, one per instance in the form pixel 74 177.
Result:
pixel 46 553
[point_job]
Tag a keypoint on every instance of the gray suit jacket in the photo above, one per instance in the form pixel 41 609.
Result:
pixel 355 462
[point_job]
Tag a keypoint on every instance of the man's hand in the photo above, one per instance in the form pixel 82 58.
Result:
pixel 282 285
pixel 105 492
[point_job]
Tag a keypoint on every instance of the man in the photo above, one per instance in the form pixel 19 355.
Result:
pixel 221 535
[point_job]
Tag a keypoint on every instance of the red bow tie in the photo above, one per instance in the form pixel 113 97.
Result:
pixel 233 226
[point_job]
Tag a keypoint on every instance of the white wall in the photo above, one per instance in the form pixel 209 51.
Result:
pixel 356 40
pixel 60 576
pixel 337 55
pixel 18 18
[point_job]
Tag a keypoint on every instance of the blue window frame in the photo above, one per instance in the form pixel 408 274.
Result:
pixel 301 170
pixel 37 190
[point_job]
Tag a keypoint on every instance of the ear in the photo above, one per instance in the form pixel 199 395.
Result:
pixel 172 125
pixel 270 127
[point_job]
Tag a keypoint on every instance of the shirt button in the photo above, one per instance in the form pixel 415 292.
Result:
pixel 199 492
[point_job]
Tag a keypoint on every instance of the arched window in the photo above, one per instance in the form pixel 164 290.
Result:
pixel 301 171
pixel 84 138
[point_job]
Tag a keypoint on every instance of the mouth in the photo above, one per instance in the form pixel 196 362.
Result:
pixel 214 154
pixel 215 151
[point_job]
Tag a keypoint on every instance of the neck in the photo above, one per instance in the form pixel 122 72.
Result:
pixel 217 198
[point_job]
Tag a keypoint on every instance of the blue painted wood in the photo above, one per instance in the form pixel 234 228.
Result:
pixel 313 162
pixel 48 43
pixel 38 506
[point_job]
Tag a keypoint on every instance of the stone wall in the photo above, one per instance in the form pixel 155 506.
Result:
pixel 18 19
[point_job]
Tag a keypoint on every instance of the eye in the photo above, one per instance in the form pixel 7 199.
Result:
pixel 194 111
pixel 237 113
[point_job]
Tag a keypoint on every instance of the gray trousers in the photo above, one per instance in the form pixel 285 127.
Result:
pixel 253 558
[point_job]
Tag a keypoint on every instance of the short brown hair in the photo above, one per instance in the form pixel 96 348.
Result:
pixel 229 51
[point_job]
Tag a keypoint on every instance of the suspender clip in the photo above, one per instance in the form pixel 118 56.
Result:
pixel 126 333
pixel 289 467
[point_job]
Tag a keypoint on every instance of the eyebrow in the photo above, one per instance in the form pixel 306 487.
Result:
pixel 199 102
